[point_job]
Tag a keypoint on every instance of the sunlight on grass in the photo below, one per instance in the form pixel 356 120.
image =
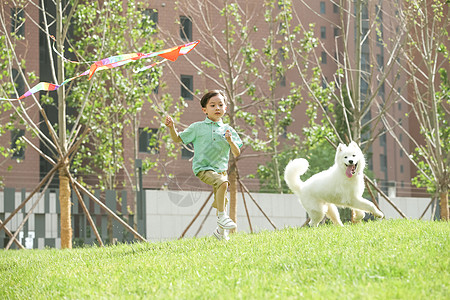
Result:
pixel 403 259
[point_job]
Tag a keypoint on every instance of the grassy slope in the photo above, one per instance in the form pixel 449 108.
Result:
pixel 376 260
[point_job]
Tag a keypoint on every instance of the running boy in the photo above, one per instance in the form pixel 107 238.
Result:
pixel 212 140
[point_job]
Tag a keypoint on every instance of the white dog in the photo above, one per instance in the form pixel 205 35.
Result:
pixel 340 185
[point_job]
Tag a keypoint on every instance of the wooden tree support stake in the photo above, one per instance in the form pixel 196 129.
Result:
pixel 257 205
pixel 11 236
pixel 86 211
pixel 385 197
pixel 245 205
pixel 374 201
pixel 196 216
pixel 433 211
pixel 29 213
pixel 110 212
pixel 204 220
pixel 306 222
pixel 49 174
pixel 426 208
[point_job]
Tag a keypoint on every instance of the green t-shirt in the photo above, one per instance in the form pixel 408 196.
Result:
pixel 211 149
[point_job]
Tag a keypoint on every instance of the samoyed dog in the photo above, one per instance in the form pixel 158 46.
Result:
pixel 341 185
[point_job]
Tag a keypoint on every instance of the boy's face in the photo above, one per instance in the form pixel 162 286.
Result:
pixel 215 108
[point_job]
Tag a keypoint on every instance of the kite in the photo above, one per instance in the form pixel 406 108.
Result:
pixel 171 54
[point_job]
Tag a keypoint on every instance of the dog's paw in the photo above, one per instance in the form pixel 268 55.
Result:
pixel 357 215
pixel 379 214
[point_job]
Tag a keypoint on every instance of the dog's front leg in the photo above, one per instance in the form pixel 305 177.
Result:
pixel 366 205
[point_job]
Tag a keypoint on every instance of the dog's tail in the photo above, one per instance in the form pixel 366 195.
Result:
pixel 294 169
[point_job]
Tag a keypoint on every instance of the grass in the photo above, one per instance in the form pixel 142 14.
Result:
pixel 402 259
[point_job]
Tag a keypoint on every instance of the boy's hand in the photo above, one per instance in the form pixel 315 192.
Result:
pixel 234 149
pixel 169 122
pixel 173 132
pixel 228 135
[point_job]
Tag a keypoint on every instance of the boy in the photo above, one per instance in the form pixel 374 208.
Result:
pixel 212 140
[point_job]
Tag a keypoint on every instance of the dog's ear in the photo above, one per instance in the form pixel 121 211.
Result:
pixel 340 147
pixel 353 144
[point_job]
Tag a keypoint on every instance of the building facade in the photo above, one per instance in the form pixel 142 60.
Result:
pixel 388 161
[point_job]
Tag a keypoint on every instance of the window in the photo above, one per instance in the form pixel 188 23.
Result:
pixel 283 81
pixel 187 151
pixel 324 57
pixel 187 87
pixel 381 91
pixel 380 37
pixel 365 57
pixel 383 163
pixel 148 140
pixel 380 61
pixel 401 169
pixel 323 32
pixel 324 82
pixel 156 89
pixel 335 8
pixel 19 83
pixel 152 14
pixel 364 89
pixel 17 21
pixel 379 12
pixel 282 53
pixel 365 11
pixel 322 7
pixel 336 31
pixel 185 28
pixel 19 151
pixel 383 140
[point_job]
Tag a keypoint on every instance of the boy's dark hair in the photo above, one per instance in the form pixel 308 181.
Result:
pixel 211 94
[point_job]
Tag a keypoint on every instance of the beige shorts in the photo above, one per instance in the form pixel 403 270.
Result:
pixel 215 180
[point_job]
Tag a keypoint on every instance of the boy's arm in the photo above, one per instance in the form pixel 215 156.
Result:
pixel 234 148
pixel 173 132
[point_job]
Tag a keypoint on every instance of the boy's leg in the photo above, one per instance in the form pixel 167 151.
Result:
pixel 223 220
pixel 219 181
pixel 220 197
pixel 215 180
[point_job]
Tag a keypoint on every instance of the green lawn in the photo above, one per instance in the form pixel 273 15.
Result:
pixel 404 259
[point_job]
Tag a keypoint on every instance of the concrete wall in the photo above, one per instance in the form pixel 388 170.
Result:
pixel 170 212
pixel 411 207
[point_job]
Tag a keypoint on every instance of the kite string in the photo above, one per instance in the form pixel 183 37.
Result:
pixel 66 59
pixel 112 62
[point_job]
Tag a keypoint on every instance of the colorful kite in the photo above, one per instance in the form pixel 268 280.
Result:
pixel 115 61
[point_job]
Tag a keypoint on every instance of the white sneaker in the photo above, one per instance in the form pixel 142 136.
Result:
pixel 220 236
pixel 225 222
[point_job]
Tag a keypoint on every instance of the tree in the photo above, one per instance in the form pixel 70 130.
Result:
pixel 62 142
pixel 57 143
pixel 425 58
pixel 231 61
pixel 358 85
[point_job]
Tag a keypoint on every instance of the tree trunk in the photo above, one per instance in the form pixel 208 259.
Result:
pixel 65 204
pixel 64 187
pixel 232 178
pixel 444 205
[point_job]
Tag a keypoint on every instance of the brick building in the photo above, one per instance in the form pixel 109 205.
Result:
pixel 389 164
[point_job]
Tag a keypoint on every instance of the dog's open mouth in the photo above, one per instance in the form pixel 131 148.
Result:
pixel 351 170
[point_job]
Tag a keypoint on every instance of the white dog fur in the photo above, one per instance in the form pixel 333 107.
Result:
pixel 341 185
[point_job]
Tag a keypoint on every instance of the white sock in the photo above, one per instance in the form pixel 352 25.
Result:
pixel 220 214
